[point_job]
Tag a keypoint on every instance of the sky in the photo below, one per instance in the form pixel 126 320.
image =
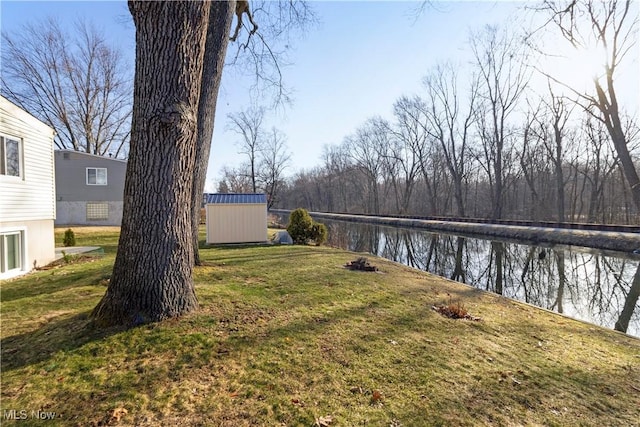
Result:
pixel 353 65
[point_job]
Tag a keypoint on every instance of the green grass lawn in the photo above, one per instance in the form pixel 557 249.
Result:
pixel 285 336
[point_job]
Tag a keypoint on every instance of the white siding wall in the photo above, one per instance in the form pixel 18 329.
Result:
pixel 31 196
pixel 38 244
pixel 27 203
pixel 236 223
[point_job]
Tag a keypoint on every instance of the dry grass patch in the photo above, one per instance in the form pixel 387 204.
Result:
pixel 287 336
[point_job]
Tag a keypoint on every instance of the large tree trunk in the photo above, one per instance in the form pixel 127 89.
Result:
pixel 608 106
pixel 152 276
pixel 220 18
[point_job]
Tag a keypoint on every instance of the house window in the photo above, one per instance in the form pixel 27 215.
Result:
pixel 96 176
pixel 11 252
pixel 10 156
pixel 97 211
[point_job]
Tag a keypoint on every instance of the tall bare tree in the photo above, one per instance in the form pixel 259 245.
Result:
pixel 408 150
pixel 450 119
pixel 366 150
pixel 551 131
pixel 611 26
pixel 74 81
pixel 248 125
pixel 503 78
pixel 273 162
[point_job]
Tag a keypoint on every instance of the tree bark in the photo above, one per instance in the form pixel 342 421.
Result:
pixel 220 18
pixel 152 276
pixel 614 126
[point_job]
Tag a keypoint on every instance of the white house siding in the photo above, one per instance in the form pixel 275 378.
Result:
pixel 39 241
pixel 236 223
pixel 27 203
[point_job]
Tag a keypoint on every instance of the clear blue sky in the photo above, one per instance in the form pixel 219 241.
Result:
pixel 354 65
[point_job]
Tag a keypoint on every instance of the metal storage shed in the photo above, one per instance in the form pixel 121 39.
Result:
pixel 236 218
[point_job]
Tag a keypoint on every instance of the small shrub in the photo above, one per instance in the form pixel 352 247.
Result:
pixel 300 224
pixel 69 238
pixel 318 233
pixel 303 229
pixel 66 257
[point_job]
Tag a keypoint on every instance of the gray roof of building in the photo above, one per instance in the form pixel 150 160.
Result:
pixel 233 198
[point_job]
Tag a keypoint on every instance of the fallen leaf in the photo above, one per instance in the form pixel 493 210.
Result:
pixel 376 397
pixel 324 421
pixel 118 413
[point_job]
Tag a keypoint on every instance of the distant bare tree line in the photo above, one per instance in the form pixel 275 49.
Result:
pixel 552 171
pixel 492 147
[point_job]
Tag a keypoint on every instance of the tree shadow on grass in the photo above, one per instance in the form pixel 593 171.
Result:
pixel 243 257
pixel 66 278
pixel 64 333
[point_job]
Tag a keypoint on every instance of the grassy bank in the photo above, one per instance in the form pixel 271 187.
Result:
pixel 287 336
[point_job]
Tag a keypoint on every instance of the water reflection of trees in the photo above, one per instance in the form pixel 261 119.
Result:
pixel 594 287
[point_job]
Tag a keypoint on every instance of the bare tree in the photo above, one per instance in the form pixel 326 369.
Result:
pixel 340 175
pixel 274 160
pixel 535 169
pixel 263 54
pixel 366 149
pixel 613 27
pixel 248 124
pixel 410 146
pixel 75 82
pixel 234 180
pixel 598 163
pixel 503 78
pixel 450 119
pixel 551 132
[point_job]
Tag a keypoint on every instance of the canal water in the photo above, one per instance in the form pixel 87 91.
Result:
pixel 582 283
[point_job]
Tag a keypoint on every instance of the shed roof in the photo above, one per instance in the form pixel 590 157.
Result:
pixel 234 198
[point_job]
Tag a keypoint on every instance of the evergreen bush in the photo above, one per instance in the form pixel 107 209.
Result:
pixel 303 229
pixel 69 238
pixel 319 233
pixel 299 227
